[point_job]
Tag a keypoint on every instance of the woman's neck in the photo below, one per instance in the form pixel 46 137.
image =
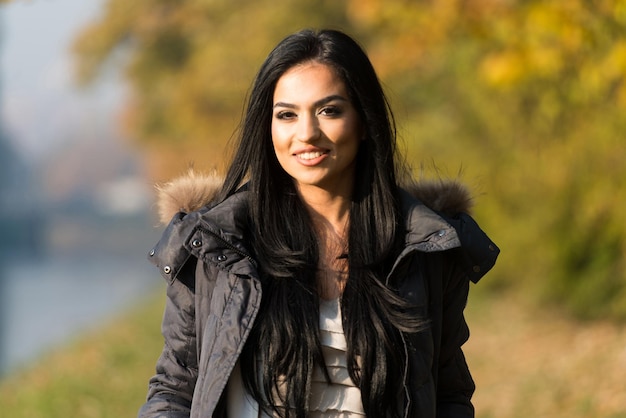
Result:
pixel 328 211
pixel 330 215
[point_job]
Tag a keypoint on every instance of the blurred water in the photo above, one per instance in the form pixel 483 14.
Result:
pixel 45 303
pixel 75 209
pixel 79 270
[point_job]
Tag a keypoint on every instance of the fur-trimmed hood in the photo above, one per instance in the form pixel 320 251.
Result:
pixel 436 215
pixel 193 190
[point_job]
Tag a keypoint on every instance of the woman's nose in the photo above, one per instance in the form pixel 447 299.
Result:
pixel 308 129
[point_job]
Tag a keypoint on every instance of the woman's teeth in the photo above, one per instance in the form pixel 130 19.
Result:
pixel 310 155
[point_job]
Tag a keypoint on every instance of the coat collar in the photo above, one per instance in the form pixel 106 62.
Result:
pixel 184 204
pixel 427 230
pixel 193 191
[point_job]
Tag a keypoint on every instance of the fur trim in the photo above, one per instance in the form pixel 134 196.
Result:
pixel 442 195
pixel 186 193
pixel 193 190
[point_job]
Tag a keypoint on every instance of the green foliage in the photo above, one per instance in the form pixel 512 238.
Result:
pixel 190 63
pixel 529 98
pixel 526 98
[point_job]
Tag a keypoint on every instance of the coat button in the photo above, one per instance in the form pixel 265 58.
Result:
pixel 196 243
pixel 491 247
pixel 222 257
pixel 151 252
pixel 441 233
pixel 167 269
pixel 476 269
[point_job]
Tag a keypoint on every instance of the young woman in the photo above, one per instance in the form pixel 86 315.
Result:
pixel 309 283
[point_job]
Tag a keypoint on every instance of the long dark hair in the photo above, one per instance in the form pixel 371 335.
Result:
pixel 285 338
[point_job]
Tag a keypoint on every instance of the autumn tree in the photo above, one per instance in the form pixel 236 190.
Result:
pixel 526 98
pixel 530 96
pixel 189 65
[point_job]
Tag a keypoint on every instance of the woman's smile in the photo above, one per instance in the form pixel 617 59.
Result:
pixel 312 157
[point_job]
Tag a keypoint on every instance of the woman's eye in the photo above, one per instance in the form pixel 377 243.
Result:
pixel 285 115
pixel 330 111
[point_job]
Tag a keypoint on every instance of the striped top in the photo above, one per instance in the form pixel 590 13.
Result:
pixel 337 399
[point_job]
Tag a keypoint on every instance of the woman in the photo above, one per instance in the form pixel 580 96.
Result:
pixel 310 283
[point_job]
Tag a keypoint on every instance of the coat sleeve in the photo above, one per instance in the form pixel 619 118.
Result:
pixel 171 389
pixel 455 385
pixel 470 262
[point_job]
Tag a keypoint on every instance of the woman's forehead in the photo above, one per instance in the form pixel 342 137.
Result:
pixel 309 81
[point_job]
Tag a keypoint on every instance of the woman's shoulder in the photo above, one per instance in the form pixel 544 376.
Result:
pixel 192 201
pixel 438 213
pixel 427 208
pixel 187 206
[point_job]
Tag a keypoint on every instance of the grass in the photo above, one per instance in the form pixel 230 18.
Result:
pixel 536 362
pixel 526 362
pixel 102 374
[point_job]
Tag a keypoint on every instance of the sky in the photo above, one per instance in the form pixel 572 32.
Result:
pixel 41 109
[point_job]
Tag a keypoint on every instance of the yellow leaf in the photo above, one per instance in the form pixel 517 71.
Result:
pixel 503 69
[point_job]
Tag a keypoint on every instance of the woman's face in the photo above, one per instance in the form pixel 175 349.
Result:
pixel 316 130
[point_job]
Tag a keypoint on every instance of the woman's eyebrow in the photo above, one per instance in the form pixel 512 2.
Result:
pixel 320 102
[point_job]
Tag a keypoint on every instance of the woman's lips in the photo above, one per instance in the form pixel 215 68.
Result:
pixel 311 158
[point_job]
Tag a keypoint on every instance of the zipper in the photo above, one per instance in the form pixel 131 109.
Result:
pixel 406 253
pixel 407 395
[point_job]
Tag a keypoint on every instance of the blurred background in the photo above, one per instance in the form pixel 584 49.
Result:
pixel 75 201
pixel 524 101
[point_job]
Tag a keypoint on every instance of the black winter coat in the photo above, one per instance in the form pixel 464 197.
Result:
pixel 214 293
